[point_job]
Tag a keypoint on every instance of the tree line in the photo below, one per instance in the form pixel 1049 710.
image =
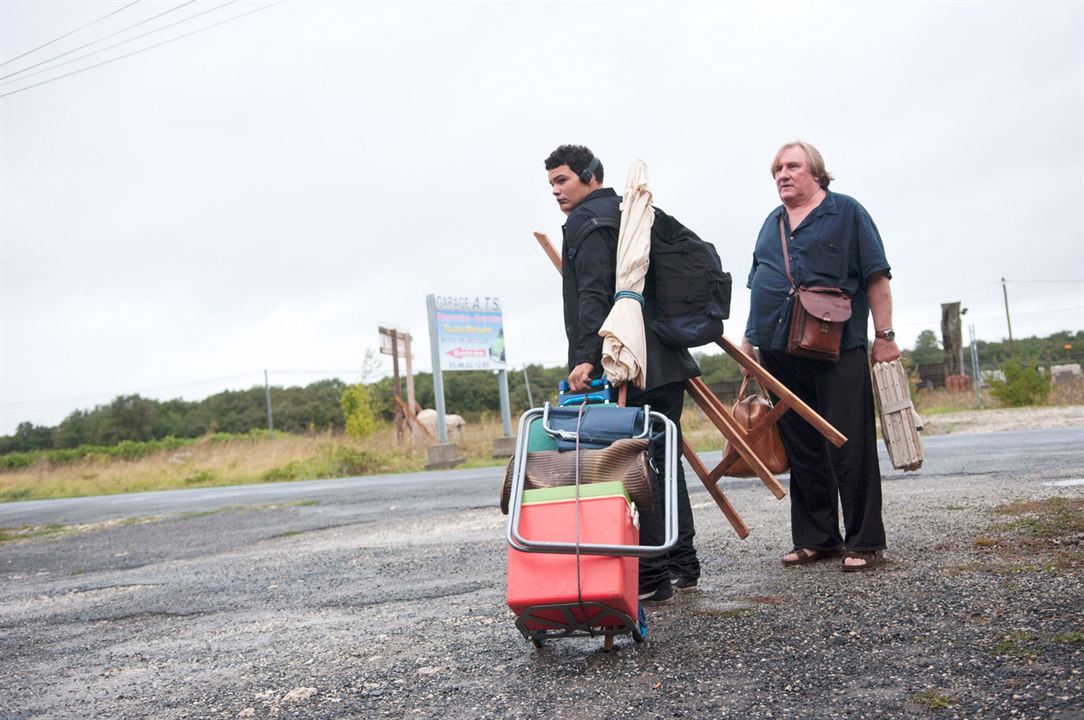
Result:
pixel 1057 349
pixel 318 407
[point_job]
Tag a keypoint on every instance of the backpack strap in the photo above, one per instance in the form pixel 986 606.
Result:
pixel 591 216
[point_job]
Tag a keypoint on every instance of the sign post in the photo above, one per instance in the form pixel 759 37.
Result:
pixel 506 413
pixel 397 344
pixel 438 379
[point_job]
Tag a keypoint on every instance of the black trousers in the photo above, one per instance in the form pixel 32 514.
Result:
pixel 822 476
pixel 681 560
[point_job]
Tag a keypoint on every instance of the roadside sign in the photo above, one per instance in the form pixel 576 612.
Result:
pixel 470 333
pixel 386 342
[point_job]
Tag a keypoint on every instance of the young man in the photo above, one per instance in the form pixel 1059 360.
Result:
pixel 589 269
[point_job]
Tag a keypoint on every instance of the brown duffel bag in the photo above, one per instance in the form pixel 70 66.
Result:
pixel 768 447
pixel 625 460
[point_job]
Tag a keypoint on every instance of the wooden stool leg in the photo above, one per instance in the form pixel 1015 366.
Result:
pixel 717 494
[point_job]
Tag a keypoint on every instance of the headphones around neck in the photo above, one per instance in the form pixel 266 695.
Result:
pixel 589 171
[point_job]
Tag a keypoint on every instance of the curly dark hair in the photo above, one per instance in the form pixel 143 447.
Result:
pixel 577 157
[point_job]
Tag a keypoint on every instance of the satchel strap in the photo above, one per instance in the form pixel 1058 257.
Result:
pixel 786 252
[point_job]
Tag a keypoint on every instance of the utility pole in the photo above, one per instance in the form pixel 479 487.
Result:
pixel 1008 320
pixel 527 384
pixel 396 385
pixel 976 374
pixel 267 395
pixel 406 338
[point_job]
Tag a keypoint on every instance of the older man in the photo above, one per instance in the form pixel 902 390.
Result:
pixel 831 241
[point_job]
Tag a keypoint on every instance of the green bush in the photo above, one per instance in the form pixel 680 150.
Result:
pixel 354 462
pixel 18 460
pixel 124 450
pixel 1023 385
pixel 358 414
pixel 333 461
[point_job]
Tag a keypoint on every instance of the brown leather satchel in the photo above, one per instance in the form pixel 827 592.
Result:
pixel 768 447
pixel 817 316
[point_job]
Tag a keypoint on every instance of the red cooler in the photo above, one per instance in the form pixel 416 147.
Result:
pixel 540 579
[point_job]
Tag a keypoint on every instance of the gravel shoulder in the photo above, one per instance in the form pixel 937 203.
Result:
pixel 310 612
pixel 1003 419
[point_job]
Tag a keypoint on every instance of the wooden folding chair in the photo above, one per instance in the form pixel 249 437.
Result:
pixel 739 439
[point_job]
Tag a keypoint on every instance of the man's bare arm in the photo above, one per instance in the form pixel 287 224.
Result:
pixel 879 294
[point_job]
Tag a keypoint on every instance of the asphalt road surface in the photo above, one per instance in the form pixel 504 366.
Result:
pixel 384 597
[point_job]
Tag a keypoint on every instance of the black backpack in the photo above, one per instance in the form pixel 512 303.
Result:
pixel 692 292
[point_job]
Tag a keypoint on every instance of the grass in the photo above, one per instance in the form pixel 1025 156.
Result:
pixel 1048 519
pixel 933 700
pixel 9 534
pixel 1016 644
pixel 941 401
pixel 1070 638
pixel 1026 645
pixel 715 613
pixel 1033 536
pixel 237 460
pixel 221 459
pixel 699 431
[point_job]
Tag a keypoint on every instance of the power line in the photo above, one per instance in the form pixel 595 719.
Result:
pixel 95 42
pixel 84 27
pixel 984 286
pixel 116 45
pixel 1035 282
pixel 136 52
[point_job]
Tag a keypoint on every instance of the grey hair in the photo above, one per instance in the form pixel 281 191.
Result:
pixel 816 162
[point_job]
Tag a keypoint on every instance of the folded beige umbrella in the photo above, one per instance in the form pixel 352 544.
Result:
pixel 624 348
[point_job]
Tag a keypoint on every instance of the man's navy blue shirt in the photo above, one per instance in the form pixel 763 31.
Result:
pixel 836 245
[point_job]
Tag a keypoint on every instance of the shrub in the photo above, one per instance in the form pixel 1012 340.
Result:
pixel 349 461
pixel 18 460
pixel 358 414
pixel 1023 385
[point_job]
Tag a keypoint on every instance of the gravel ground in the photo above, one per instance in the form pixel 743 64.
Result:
pixel 402 615
pixel 1002 419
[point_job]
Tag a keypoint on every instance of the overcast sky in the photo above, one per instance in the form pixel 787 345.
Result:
pixel 267 192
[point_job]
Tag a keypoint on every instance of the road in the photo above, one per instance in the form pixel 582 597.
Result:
pixel 972 454
pixel 383 596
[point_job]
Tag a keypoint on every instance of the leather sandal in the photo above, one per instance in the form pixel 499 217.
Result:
pixel 810 555
pixel 872 558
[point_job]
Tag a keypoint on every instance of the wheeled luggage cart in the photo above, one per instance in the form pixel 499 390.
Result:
pixel 573 549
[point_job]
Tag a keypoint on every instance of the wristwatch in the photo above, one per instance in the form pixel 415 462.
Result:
pixel 886 334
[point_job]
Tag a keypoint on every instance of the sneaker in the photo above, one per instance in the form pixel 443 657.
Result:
pixel 685 584
pixel 662 594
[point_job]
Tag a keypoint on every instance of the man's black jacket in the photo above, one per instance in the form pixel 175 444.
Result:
pixel 589 269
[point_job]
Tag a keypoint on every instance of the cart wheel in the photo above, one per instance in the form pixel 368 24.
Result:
pixel 539 639
pixel 640 631
pixel 608 643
